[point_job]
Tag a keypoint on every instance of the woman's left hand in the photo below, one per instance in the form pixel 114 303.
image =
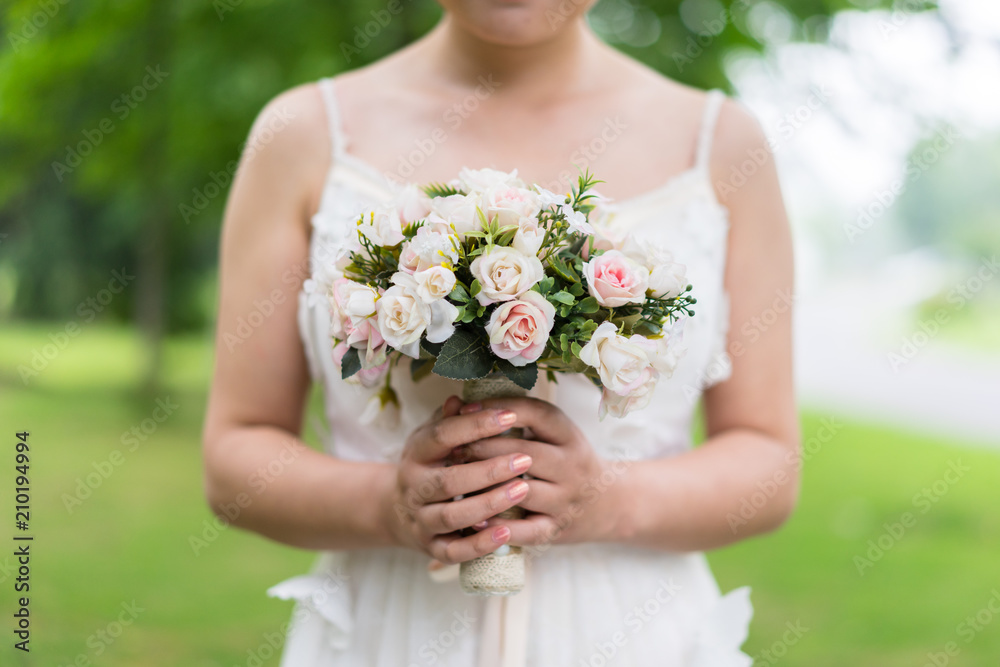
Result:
pixel 573 494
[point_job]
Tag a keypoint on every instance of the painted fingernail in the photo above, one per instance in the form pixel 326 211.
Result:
pixel 480 525
pixel 501 534
pixel 470 408
pixel 506 418
pixel 517 490
pixel 520 463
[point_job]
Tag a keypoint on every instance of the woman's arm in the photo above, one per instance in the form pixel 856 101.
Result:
pixel 713 495
pixel 258 474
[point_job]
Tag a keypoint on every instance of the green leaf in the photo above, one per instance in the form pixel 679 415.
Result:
pixel 588 305
pixel 433 349
pixel 523 376
pixel 563 269
pixel 563 296
pixel 441 190
pixel 420 368
pixel 464 356
pixel 351 363
pixel 545 285
pixel 506 237
pixel 575 348
pixel 476 288
pixel 576 289
pixel 459 294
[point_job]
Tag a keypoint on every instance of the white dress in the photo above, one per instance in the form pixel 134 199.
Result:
pixel 586 605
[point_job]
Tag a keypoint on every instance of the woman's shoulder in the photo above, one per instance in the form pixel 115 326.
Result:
pixel 289 143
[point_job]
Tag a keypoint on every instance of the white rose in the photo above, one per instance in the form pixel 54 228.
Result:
pixel 457 211
pixel 505 274
pixel 403 317
pixel 667 278
pixel 481 180
pixel 383 227
pixel 623 365
pixel 529 237
pixel 359 301
pixel 510 205
pixel 350 303
pixel 435 282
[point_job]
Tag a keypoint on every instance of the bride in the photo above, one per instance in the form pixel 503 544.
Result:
pixel 507 84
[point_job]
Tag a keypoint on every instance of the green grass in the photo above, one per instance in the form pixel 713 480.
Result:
pixel 129 540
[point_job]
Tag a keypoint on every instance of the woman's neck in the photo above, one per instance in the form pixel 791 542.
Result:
pixel 560 65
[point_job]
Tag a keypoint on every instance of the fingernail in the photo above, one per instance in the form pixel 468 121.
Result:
pixel 480 525
pixel 470 408
pixel 520 463
pixel 501 534
pixel 517 490
pixel 506 418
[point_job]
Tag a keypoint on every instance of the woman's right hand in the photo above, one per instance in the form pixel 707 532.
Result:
pixel 423 514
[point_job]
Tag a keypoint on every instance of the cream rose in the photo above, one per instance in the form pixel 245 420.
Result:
pixel 481 180
pixel 505 274
pixel 623 365
pixel 510 205
pixel 457 211
pixel 403 317
pixel 615 279
pixel 619 406
pixel 413 204
pixel 435 282
pixel 519 329
pixel 529 237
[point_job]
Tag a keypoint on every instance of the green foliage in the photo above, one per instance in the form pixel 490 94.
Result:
pixel 464 356
pixel 441 190
pixel 149 192
pixel 523 376
pixel 351 363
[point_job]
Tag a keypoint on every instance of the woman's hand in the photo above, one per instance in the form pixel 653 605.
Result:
pixel 422 513
pixel 573 494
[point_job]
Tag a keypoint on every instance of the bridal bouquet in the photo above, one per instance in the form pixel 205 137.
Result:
pixel 485 275
pixel 487 280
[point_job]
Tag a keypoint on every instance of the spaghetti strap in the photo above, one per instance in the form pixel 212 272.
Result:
pixel 713 103
pixel 338 140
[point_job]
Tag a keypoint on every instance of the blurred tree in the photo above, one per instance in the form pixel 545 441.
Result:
pixel 120 122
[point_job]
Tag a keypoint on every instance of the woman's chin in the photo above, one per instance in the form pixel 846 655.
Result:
pixel 518 23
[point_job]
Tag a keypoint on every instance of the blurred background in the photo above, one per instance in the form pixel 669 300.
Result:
pixel 120 124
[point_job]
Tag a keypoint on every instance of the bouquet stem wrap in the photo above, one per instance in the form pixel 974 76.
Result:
pixel 494 574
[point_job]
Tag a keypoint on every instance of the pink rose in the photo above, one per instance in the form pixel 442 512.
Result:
pixel 615 279
pixel 367 377
pixel 519 330
pixel 618 406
